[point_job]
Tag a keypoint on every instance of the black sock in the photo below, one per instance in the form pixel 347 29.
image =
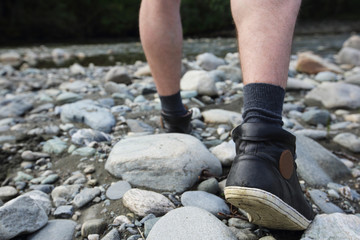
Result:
pixel 172 105
pixel 263 103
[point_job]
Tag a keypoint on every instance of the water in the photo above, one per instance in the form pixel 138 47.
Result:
pixel 107 54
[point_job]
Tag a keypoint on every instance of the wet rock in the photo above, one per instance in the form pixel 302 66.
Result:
pixel 200 81
pixel 326 77
pixel 7 193
pixel 349 141
pixel 297 84
pixel 94 226
pixel 209 61
pixel 333 226
pixel 222 116
pixel 312 64
pixel 118 75
pixel 317 165
pixel 321 200
pixel 206 201
pixel 349 56
pixel 163 167
pixel 225 152
pixel 112 235
pixel 61 195
pixel 86 136
pixel 190 223
pixel 54 146
pixel 117 190
pixel 143 202
pixel 316 116
pixel 210 185
pixel 64 212
pixel 335 95
pixel 89 113
pixel 85 196
pixel 20 216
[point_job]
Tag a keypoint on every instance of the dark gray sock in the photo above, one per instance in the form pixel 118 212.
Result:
pixel 172 105
pixel 263 103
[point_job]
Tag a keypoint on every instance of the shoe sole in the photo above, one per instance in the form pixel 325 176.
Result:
pixel 266 209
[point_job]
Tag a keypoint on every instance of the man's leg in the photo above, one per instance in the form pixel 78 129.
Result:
pixel 263 179
pixel 161 38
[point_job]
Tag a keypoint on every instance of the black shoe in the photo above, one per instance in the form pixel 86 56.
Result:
pixel 263 180
pixel 177 124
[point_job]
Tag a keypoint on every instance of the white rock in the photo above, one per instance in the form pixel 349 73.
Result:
pixel 297 84
pixel 353 117
pixel 77 69
pixel 225 152
pixel 222 116
pixel 118 75
pixel 10 57
pixel 209 61
pixel 349 141
pixel 325 76
pixel 333 226
pixel 349 56
pixel 164 162
pixel 353 42
pixel 7 193
pixel 143 71
pixel 200 81
pixel 143 202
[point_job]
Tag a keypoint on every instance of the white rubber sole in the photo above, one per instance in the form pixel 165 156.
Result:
pixel 266 209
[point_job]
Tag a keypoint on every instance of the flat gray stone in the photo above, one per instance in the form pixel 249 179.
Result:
pixel 333 226
pixel 67 97
pixel 42 199
pixel 15 107
pixel 139 126
pixel 297 84
pixel 190 223
pixel 117 190
pixel 321 200
pixel 153 161
pixel 89 113
pixel 55 146
pixel 64 212
pixel 75 86
pixel 143 202
pixel 85 196
pixel 21 215
pixel 55 230
pixel 335 95
pixel 349 141
pixel 112 235
pixel 206 201
pixel 210 185
pixel 316 116
pixel 313 133
pixel 149 224
pixel 7 193
pixel 316 165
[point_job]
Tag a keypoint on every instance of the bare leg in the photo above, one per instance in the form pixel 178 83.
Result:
pixel 265 30
pixel 161 37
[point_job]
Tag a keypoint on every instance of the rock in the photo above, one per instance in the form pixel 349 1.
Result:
pixel 149 224
pixel 316 116
pixel 316 165
pixel 85 196
pixel 77 86
pixel 312 133
pixel 209 61
pixel 326 76
pixel 10 57
pixel 23 177
pixel 21 215
pixel 94 226
pixel 89 113
pixel 67 97
pixel 7 193
pixel 190 223
pixel 349 56
pixel 139 126
pixel 52 178
pixel 15 107
pixel 200 81
pixel 75 178
pixel 206 201
pixel 61 195
pixel 243 234
pixel 58 53
pixel 86 136
pixel 321 200
pixel 349 141
pixel 112 235
pixel 118 75
pixel 163 167
pixel 297 84
pixel 335 95
pixel 210 185
pixel 84 151
pixel 240 223
pixel 64 212
pixel 353 42
pixel 312 64
pixel 55 230
pixel 333 226
pixel 117 190
pixel 222 116
pixel 353 79
pixel 234 74
pixel 33 156
pixel 122 219
pixel 143 71
pixel 45 188
pixel 225 152
pixel 143 202
pixel 353 117
pixel 77 69
pixel 54 146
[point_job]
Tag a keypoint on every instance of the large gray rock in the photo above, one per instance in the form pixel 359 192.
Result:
pixel 333 226
pixel 89 113
pixel 206 201
pixel 200 81
pixel 42 199
pixel 316 165
pixel 349 141
pixel 143 202
pixel 55 230
pixel 335 95
pixel 20 216
pixel 349 56
pixel 190 223
pixel 164 162
pixel 85 196
pixel 321 200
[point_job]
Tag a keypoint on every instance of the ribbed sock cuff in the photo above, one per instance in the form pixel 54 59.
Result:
pixel 172 105
pixel 263 103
